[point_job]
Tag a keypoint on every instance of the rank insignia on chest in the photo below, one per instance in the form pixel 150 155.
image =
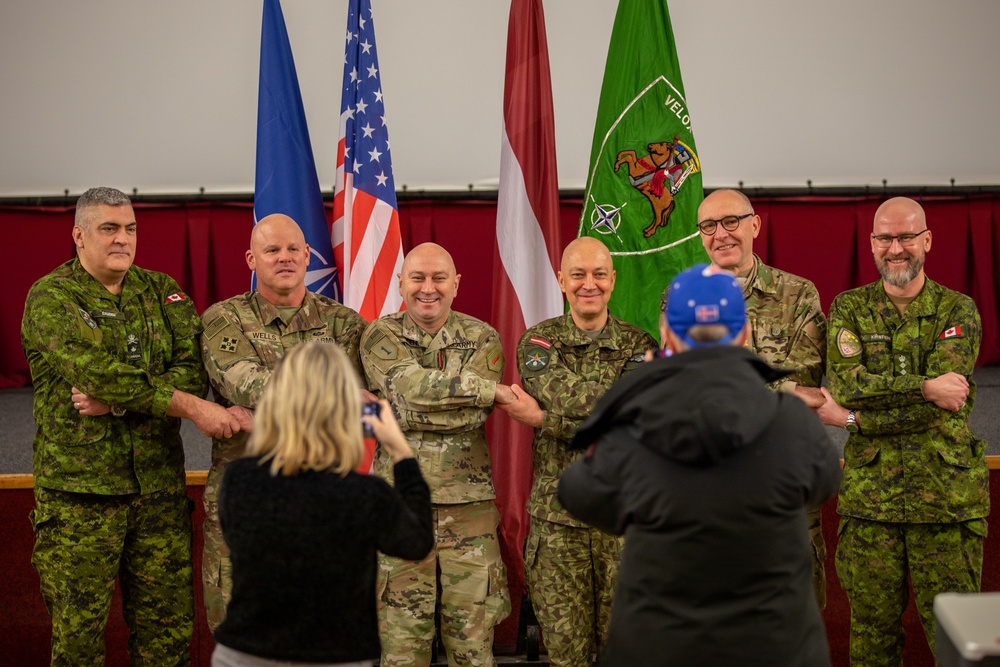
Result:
pixel 227 344
pixel 133 347
pixel 848 343
pixel 536 359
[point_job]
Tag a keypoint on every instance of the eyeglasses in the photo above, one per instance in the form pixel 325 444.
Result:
pixel 884 240
pixel 729 223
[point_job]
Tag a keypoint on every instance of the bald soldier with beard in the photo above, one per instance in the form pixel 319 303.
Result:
pixel 915 491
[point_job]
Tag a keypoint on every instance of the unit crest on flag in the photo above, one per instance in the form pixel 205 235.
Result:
pixel 665 162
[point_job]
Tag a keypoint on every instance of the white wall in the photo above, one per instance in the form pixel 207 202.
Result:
pixel 161 94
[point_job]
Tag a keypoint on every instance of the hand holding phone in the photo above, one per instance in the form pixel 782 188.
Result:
pixel 375 410
pixel 390 438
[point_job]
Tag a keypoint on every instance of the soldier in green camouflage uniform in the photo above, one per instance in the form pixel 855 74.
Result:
pixel 440 371
pixel 244 339
pixel 915 491
pixel 114 358
pixel 566 363
pixel 788 329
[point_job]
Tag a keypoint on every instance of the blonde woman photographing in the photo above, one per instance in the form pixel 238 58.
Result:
pixel 303 527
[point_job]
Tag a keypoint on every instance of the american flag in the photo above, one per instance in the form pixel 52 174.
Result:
pixel 366 236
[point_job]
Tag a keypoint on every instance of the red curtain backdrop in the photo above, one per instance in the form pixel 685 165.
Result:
pixel 202 246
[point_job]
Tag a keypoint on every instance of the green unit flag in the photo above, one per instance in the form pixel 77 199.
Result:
pixel 644 183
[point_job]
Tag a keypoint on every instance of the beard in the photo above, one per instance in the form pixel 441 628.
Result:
pixel 900 276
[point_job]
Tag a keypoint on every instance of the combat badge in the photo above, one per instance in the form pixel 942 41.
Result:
pixel 848 343
pixel 88 319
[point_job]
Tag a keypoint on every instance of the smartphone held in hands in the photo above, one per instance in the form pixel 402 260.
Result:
pixel 370 408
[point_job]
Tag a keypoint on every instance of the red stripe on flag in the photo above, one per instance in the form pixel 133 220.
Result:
pixel 528 189
pixel 361 213
pixel 383 280
pixel 529 117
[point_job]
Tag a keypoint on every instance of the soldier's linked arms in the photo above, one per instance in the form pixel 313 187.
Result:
pixel 243 415
pixel 523 408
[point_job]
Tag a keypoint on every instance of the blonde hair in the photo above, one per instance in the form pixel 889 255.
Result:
pixel 309 417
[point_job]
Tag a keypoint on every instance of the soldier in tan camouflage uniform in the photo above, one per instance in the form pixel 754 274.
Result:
pixel 566 363
pixel 244 339
pixel 787 326
pixel 915 492
pixel 113 351
pixel 440 371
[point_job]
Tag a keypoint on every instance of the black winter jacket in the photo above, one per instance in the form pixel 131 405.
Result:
pixel 708 474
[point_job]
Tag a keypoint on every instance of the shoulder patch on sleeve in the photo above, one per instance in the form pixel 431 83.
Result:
pixel 175 297
pixel 848 343
pixel 215 327
pixel 381 347
pixel 953 332
pixel 540 342
pixel 536 357
pixel 494 357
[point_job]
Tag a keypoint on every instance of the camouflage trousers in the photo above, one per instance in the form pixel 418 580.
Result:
pixel 570 575
pixel 83 541
pixel 216 569
pixel 815 519
pixel 473 588
pixel 873 559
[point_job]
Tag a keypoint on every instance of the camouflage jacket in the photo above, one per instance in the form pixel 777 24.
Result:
pixel 566 371
pixel 441 387
pixel 244 339
pixel 911 462
pixel 130 351
pixel 787 326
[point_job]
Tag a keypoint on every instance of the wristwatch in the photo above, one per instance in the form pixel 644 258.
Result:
pixel 117 411
pixel 852 422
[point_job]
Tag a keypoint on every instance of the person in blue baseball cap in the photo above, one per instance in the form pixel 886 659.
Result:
pixel 705 307
pixel 708 474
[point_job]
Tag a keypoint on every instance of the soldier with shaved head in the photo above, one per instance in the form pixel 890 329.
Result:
pixel 915 494
pixel 244 339
pixel 566 363
pixel 440 369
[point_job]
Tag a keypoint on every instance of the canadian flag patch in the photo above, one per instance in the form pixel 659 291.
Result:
pixel 179 296
pixel 540 342
pixel 951 333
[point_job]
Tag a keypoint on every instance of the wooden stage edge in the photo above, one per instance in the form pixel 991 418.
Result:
pixel 197 477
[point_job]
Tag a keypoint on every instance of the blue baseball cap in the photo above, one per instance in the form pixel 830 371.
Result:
pixel 703 295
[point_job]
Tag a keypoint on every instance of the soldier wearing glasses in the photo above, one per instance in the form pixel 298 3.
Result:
pixel 787 326
pixel 915 491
